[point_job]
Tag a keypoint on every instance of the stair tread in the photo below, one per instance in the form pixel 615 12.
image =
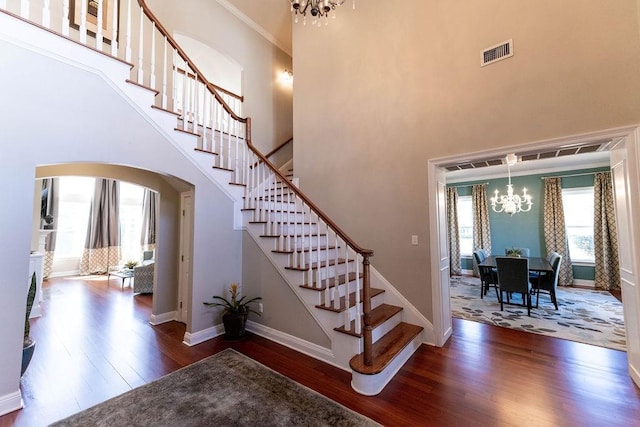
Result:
pixel 386 349
pixel 379 315
pixel 315 265
pixel 352 300
pixel 200 150
pixel 294 235
pixel 220 167
pixel 331 282
pixel 307 249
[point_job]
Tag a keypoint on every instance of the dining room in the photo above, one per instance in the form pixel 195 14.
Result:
pixel 542 212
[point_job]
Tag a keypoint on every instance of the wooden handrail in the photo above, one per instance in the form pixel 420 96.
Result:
pixel 218 88
pixel 275 150
pixel 360 250
pixel 186 59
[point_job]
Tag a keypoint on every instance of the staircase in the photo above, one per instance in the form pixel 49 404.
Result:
pixel 373 330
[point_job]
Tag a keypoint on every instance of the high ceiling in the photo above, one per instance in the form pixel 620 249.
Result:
pixel 273 17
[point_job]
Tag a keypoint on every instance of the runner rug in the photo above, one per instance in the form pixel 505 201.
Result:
pixel 226 389
pixel 583 315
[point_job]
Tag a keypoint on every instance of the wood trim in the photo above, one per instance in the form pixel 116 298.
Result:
pixel 275 150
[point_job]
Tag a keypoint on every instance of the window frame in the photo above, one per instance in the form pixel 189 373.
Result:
pixel 574 191
pixel 466 199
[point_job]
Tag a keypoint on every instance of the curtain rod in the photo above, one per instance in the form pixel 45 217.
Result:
pixel 573 174
pixel 466 185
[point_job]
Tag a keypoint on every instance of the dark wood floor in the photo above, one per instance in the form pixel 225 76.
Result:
pixel 94 342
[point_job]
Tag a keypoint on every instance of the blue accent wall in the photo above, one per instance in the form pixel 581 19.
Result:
pixel 525 229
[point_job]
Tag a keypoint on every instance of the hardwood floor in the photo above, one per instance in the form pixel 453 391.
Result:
pixel 94 342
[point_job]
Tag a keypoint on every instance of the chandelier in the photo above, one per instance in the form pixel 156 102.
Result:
pixel 318 9
pixel 511 203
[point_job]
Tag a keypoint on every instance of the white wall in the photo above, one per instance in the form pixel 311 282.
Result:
pixel 386 88
pixel 61 114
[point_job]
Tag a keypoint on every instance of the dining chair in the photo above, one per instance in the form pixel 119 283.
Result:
pixel 488 276
pixel 549 282
pixel 513 276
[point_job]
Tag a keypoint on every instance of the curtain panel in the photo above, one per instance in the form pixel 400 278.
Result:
pixel 455 266
pixel 149 218
pixel 481 229
pixel 102 245
pixel 50 205
pixel 555 235
pixel 605 234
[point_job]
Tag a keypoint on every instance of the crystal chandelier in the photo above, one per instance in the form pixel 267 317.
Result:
pixel 511 203
pixel 318 9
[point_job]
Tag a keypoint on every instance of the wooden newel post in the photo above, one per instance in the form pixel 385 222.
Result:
pixel 366 303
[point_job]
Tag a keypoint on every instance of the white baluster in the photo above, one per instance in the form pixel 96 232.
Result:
pixel 114 27
pixel 65 18
pixel 127 55
pixel 164 74
pixel 141 48
pixel 228 141
pixel 358 326
pixel 83 22
pixel 206 120
pixel 24 8
pixel 46 14
pixel 196 104
pixel 185 104
pixel 99 26
pixel 174 82
pixel 236 159
pixel 152 78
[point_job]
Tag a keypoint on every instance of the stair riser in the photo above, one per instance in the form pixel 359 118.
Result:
pixel 385 327
pixel 291 217
pixel 274 228
pixel 288 243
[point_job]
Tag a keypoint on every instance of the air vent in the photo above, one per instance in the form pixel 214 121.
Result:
pixel 496 53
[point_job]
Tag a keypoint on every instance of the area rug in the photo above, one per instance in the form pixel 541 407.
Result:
pixel 226 389
pixel 583 315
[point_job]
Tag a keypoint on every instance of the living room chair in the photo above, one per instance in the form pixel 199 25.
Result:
pixel 143 279
pixel 549 282
pixel 513 276
pixel 488 276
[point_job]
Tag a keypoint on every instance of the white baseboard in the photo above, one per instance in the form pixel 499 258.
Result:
pixel 193 338
pixel 157 319
pixel 584 283
pixel 11 402
pixel 295 343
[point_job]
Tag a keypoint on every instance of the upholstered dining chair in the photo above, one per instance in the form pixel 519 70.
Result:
pixel 513 276
pixel 549 282
pixel 488 276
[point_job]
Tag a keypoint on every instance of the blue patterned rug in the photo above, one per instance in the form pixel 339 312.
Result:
pixel 583 315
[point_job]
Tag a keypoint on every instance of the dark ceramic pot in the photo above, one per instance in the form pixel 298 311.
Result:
pixel 234 325
pixel 27 354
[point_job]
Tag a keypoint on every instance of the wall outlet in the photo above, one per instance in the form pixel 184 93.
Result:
pixel 414 240
pixel 260 308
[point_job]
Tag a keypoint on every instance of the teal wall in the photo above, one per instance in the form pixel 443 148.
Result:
pixel 525 229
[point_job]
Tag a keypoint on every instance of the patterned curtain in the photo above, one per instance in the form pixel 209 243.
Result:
pixel 555 234
pixel 149 215
pixel 455 266
pixel 102 246
pixel 50 190
pixel 605 234
pixel 481 229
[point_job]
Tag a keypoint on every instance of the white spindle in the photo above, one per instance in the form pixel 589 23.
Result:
pixel 46 14
pixel 24 8
pixel 164 74
pixel 83 22
pixel 99 26
pixel 114 27
pixel 196 105
pixel 236 154
pixel 229 141
pixel 127 56
pixel 244 162
pixel 220 135
pixel 185 104
pixel 152 78
pixel 206 118
pixel 141 48
pixel 65 18
pixel 174 82
pixel 358 323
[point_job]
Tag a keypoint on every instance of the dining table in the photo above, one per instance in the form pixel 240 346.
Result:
pixel 536 264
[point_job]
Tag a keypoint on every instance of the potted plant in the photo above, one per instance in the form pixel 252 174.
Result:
pixel 514 252
pixel 236 311
pixel 130 264
pixel 29 344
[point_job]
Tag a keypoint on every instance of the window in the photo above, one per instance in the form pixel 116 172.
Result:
pixel 73 215
pixel 578 217
pixel 130 220
pixel 465 225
